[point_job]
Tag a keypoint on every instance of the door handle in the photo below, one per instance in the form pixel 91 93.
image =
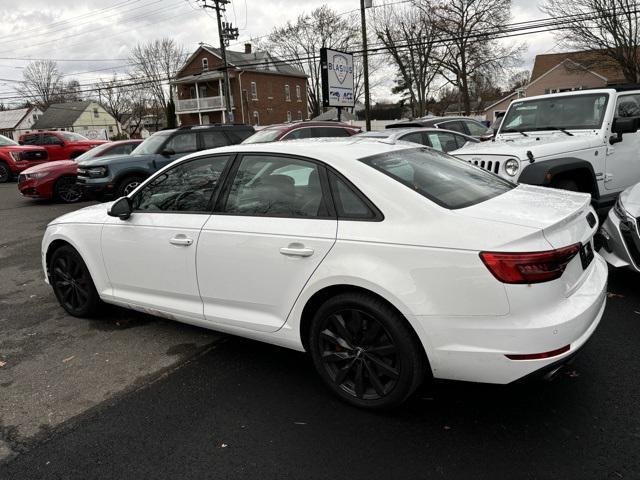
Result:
pixel 296 250
pixel 181 240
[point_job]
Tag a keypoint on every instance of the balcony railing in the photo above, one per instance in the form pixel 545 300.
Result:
pixel 202 104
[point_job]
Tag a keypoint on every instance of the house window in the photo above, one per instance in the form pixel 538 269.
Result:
pixel 203 91
pixel 95 113
pixel 288 116
pixel 254 91
pixel 205 64
pixel 256 119
pixel 110 128
pixel 300 115
pixel 192 92
pixel 287 93
pixel 298 93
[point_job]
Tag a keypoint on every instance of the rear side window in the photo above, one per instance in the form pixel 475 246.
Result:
pixel 443 142
pixel 415 137
pixel 455 126
pixel 183 143
pixel 446 180
pixel 317 132
pixel 213 139
pixel 349 205
pixel 31 140
pixel 238 136
pixel 297 134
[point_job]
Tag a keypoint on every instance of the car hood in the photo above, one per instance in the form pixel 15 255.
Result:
pixel 58 165
pixel 560 214
pixel 116 159
pixel 630 200
pixel 540 145
pixel 91 214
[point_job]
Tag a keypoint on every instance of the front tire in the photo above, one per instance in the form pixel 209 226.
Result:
pixel 67 190
pixel 72 283
pixel 365 351
pixel 5 173
pixel 129 184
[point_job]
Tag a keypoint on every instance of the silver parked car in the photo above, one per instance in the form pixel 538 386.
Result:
pixel 620 233
pixel 437 138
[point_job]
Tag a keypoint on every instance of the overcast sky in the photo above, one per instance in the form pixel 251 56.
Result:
pixel 101 32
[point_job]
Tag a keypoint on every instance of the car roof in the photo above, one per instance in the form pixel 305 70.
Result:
pixel 332 151
pixel 211 126
pixel 309 123
pixel 428 121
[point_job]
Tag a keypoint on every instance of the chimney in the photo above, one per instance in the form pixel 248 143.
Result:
pixel 247 48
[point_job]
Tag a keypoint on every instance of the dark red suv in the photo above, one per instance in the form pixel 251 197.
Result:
pixel 15 158
pixel 60 145
pixel 297 130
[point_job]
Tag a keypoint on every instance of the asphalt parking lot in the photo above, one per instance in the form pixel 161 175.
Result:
pixel 132 396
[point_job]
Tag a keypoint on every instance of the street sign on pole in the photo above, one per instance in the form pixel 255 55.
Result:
pixel 337 78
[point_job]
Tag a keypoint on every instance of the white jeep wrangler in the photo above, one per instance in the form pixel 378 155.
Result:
pixel 586 141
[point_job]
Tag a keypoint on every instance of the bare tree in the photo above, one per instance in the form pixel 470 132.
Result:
pixel 518 80
pixel 467 30
pixel 300 43
pixel 409 35
pixel 116 99
pixel 608 26
pixel 156 62
pixel 42 83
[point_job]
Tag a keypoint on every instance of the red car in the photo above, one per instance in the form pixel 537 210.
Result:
pixel 60 145
pixel 58 179
pixel 15 158
pixel 306 129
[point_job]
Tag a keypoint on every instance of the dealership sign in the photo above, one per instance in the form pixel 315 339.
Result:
pixel 337 78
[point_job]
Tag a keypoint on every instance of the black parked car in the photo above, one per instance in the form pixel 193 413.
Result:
pixel 116 176
pixel 465 125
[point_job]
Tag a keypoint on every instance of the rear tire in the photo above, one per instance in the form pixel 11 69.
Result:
pixel 5 173
pixel 66 190
pixel 129 184
pixel 72 283
pixel 365 351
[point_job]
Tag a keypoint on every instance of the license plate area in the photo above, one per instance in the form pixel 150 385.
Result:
pixel 586 255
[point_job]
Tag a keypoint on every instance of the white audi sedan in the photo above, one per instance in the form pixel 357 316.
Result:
pixel 387 262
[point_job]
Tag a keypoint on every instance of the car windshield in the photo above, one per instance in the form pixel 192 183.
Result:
pixel 151 144
pixel 94 152
pixel 446 180
pixel 568 112
pixel 73 137
pixel 265 136
pixel 4 141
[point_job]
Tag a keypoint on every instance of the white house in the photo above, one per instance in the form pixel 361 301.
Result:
pixel 14 123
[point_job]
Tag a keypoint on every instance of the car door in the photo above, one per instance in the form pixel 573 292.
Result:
pixel 55 147
pixel 176 147
pixel 623 158
pixel 271 229
pixel 151 257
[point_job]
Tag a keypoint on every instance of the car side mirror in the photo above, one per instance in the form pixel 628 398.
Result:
pixel 167 152
pixel 623 125
pixel 121 208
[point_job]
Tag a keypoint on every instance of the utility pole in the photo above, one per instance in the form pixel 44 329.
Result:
pixel 225 33
pixel 365 62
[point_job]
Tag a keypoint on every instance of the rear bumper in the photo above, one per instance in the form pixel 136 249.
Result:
pixel 475 348
pixel 620 242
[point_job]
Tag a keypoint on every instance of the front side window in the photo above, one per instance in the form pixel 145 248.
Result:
pixel 297 134
pixel 265 135
pixel 51 140
pixel 187 187
pixel 151 144
pixel 628 106
pixel 446 180
pixel 276 186
pixel 32 140
pixel 570 112
pixel 443 142
pixel 183 143
pixel 475 129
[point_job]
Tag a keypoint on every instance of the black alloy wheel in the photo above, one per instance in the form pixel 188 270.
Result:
pixel 67 190
pixel 365 351
pixel 5 173
pixel 72 283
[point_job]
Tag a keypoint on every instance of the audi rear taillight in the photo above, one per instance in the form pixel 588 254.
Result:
pixel 532 267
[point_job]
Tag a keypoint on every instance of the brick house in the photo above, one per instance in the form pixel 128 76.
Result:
pixel 264 90
pixel 563 72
